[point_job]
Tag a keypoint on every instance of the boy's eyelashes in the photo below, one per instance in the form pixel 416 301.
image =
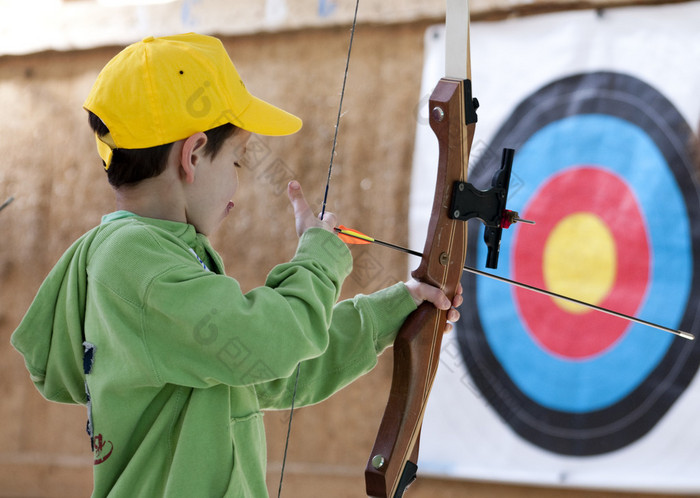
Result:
pixel 236 164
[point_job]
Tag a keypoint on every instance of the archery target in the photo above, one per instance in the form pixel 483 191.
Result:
pixel 602 166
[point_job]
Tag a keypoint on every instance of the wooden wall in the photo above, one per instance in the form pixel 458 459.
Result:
pixel 48 163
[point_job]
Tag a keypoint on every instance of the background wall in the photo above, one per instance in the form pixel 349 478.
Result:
pixel 48 163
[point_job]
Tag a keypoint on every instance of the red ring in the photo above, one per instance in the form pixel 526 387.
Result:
pixel 597 191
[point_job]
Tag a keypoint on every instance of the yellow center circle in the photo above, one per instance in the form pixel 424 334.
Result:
pixel 580 260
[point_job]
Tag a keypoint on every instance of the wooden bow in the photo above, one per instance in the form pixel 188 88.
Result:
pixel 392 463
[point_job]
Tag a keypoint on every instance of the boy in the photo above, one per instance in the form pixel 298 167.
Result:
pixel 138 320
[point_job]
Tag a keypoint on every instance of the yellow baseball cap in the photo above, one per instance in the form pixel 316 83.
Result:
pixel 165 89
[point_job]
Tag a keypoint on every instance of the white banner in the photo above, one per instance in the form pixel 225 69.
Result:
pixel 599 107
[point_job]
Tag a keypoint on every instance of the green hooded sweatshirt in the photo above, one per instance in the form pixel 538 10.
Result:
pixel 175 363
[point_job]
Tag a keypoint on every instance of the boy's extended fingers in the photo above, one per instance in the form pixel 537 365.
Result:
pixel 296 197
pixel 303 214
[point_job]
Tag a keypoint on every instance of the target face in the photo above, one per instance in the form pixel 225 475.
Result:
pixel 602 165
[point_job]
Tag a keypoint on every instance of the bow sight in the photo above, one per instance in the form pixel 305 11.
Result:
pixel 489 206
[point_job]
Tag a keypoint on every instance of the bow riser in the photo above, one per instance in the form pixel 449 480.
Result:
pixel 447 118
pixel 417 346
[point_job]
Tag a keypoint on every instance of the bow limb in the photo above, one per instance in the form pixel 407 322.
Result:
pixel 392 463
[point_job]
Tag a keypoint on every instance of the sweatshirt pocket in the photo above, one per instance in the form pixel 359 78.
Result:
pixel 249 457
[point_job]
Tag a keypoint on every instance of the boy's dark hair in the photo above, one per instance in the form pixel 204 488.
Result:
pixel 130 166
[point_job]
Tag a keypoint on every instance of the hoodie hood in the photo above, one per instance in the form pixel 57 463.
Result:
pixel 51 335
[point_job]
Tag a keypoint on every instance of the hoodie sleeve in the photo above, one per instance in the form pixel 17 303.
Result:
pixel 361 329
pixel 197 328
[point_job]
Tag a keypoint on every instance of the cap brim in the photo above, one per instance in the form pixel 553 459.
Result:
pixel 266 119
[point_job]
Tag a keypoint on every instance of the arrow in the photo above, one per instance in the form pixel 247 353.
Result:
pixel 350 236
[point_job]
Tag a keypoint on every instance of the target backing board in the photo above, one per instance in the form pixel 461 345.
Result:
pixel 534 389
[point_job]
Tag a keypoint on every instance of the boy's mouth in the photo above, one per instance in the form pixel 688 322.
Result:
pixel 229 207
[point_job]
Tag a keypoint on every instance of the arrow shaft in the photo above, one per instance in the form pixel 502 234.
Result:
pixel 398 248
pixel 532 288
pixel 679 333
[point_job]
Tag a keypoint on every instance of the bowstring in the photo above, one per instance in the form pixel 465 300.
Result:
pixel 340 110
pixel 323 212
pixel 289 429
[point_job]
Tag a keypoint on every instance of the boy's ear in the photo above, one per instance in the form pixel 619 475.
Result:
pixel 191 155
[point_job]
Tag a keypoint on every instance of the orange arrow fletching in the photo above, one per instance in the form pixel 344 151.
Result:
pixel 350 236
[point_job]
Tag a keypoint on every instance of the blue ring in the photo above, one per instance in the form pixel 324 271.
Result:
pixel 606 378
